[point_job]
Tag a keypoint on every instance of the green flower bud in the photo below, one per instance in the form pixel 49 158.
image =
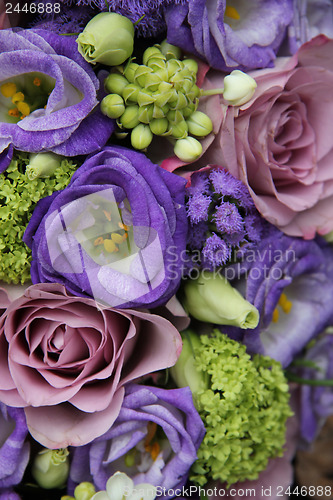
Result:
pixel 160 111
pixel 146 113
pixel 239 88
pixel 141 136
pixel 129 118
pixel 67 497
pixel 172 66
pixel 189 110
pixel 130 70
pixel 120 135
pixel 193 93
pixel 112 106
pixel 42 165
pixel 212 299
pixel 199 124
pixel 84 491
pixel 162 74
pixel 153 82
pixel 50 468
pixel 145 97
pixel 159 126
pixel 115 83
pixel 156 64
pixel 180 102
pixel 328 237
pixel 184 371
pixel 188 149
pixel 179 130
pixel 152 52
pixel 130 92
pixel 162 98
pixel 108 38
pixel 175 116
pixel 140 75
pixel 192 65
pixel 170 51
pixel 187 86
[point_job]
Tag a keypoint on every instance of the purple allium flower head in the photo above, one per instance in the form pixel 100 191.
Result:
pixel 246 36
pixel 154 440
pixel 227 218
pixel 316 402
pixel 311 17
pixel 14 452
pixel 197 207
pixel 59 95
pixel 216 251
pixel 116 232
pixel 290 282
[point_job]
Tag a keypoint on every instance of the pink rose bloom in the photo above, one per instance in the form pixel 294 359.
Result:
pixel 280 143
pixel 65 359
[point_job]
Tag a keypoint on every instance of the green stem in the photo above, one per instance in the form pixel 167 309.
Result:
pixel 211 92
pixel 137 22
pixel 308 381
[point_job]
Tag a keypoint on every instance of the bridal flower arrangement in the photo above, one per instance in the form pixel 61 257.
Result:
pixel 166 268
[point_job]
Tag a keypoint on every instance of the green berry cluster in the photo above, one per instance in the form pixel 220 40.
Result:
pixel 159 97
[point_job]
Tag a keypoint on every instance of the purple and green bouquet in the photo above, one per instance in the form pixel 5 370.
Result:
pixel 166 267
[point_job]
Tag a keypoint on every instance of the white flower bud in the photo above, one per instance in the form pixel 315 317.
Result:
pixel 239 87
pixel 188 149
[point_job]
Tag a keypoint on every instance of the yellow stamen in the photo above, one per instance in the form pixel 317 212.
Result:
pixel 98 241
pixel 155 450
pixel 37 82
pixel 110 246
pixel 231 12
pixel 123 226
pixel 151 431
pixel 22 116
pixel 14 112
pixel 275 317
pixel 117 238
pixel 285 304
pixel 107 215
pixel 23 108
pixel 17 97
pixel 8 89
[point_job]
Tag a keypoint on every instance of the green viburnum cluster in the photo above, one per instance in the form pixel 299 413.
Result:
pixel 244 411
pixel 18 197
pixel 159 97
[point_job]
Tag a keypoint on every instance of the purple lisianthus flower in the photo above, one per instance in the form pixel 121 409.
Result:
pixel 311 18
pixel 316 402
pixel 290 282
pixel 48 95
pixel 246 36
pixel 154 440
pixel 14 452
pixel 116 232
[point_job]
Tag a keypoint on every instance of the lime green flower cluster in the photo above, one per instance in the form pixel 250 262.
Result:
pixel 159 97
pixel 83 491
pixel 20 189
pixel 244 409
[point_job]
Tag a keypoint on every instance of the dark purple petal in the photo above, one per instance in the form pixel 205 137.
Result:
pixel 6 158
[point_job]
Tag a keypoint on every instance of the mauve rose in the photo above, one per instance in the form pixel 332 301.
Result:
pixel 65 360
pixel 280 143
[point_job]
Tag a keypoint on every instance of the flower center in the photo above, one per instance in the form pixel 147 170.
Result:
pixel 231 12
pixel 23 94
pixel 284 304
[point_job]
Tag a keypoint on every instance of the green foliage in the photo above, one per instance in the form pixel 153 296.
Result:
pixel 244 411
pixel 18 198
